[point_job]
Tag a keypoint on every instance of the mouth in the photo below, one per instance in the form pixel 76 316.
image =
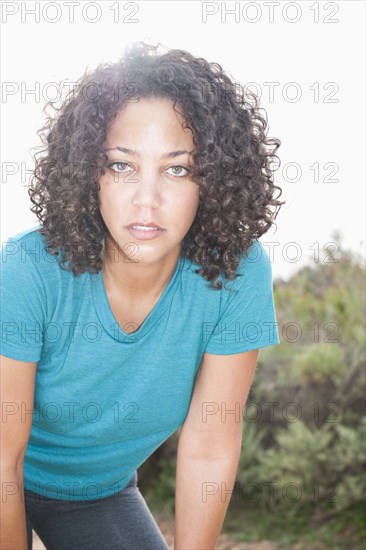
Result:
pixel 142 226
pixel 145 231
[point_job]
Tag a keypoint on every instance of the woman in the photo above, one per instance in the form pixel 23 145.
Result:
pixel 138 305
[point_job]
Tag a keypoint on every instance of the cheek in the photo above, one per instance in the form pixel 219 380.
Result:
pixel 107 197
pixel 107 205
pixel 186 207
pixel 193 199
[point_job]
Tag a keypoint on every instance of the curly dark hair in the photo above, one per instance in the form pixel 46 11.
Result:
pixel 231 160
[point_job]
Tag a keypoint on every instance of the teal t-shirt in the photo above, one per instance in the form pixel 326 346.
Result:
pixel 106 399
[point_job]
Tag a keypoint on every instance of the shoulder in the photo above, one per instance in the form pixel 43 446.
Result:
pixel 19 244
pixel 255 260
pixel 28 248
pixel 254 270
pixel 24 260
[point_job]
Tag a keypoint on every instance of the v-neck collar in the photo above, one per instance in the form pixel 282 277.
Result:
pixel 108 320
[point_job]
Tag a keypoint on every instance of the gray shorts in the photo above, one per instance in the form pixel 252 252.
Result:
pixel 121 521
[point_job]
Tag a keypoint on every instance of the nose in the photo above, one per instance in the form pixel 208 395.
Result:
pixel 146 189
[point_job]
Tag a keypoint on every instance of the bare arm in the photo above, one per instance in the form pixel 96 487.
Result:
pixel 209 448
pixel 17 394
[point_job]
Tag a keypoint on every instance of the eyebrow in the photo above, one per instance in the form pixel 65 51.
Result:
pixel 172 154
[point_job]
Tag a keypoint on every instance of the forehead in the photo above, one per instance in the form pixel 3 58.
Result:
pixel 149 118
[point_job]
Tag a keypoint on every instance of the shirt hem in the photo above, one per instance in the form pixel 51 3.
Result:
pixel 231 350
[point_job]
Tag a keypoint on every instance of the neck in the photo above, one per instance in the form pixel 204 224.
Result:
pixel 135 280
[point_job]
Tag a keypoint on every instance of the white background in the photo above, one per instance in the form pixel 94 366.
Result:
pixel 293 44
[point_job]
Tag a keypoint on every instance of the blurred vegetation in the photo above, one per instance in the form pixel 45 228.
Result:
pixel 301 476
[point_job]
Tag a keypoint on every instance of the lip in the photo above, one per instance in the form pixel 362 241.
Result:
pixel 144 235
pixel 150 224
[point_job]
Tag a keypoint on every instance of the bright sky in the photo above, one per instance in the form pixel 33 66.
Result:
pixel 306 60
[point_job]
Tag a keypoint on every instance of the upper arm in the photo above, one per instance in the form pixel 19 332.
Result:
pixel 247 318
pixel 214 420
pixel 23 301
pixel 17 401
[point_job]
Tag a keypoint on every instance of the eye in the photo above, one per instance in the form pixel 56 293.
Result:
pixel 119 164
pixel 179 168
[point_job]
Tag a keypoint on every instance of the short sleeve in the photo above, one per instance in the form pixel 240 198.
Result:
pixel 22 303
pixel 247 319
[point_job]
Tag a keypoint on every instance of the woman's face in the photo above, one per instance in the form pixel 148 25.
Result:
pixel 150 182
